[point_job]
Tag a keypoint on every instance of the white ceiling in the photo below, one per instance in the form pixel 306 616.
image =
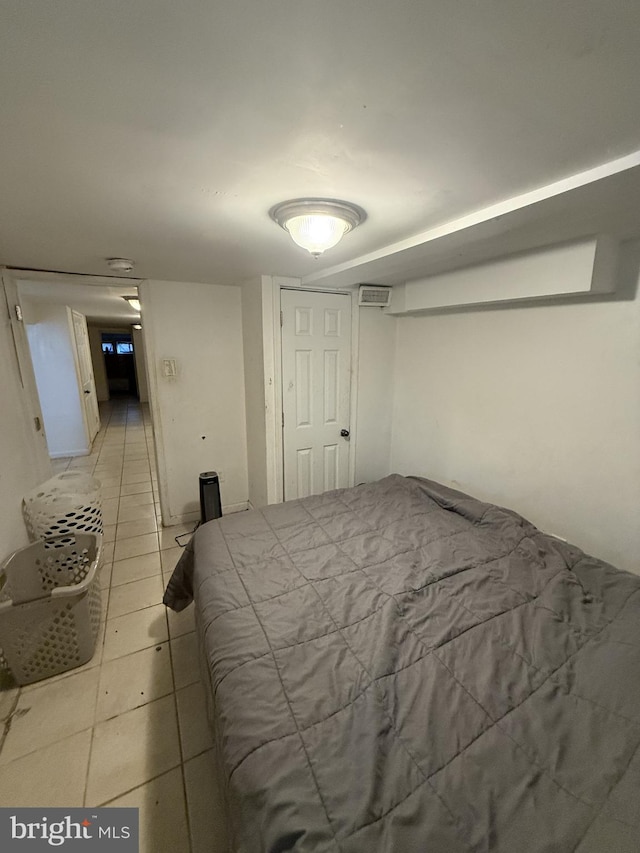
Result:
pixel 99 302
pixel 164 131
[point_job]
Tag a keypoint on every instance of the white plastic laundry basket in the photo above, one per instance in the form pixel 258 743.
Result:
pixel 67 503
pixel 50 606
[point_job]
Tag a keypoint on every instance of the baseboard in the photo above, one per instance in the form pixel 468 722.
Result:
pixel 192 517
pixel 185 518
pixel 241 507
pixel 67 453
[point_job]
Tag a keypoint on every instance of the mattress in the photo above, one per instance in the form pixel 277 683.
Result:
pixel 400 667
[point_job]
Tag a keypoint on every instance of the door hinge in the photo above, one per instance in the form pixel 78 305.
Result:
pixel 37 423
pixel 18 310
pixel 281 320
pixel 283 419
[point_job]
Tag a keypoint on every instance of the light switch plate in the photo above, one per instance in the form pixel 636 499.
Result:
pixel 169 367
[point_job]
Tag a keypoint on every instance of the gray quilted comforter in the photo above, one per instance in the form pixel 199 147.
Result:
pixel 399 667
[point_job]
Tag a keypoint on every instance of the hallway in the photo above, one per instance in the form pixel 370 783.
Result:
pixel 128 728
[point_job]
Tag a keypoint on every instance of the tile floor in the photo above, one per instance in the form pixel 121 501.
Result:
pixel 128 728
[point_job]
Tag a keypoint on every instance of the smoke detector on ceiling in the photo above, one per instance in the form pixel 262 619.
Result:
pixel 120 265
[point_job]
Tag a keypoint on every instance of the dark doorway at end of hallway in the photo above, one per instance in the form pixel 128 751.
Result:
pixel 119 364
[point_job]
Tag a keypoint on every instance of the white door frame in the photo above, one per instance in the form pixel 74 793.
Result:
pixel 273 394
pixel 30 399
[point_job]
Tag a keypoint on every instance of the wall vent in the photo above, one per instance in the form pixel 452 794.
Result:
pixel 379 297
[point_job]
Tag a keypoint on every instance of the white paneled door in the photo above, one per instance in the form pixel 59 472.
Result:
pixel 23 367
pixel 316 375
pixel 85 374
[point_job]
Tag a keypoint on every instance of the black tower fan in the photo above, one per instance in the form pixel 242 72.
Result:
pixel 210 504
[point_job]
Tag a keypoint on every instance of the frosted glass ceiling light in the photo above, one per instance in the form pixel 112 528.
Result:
pixel 317 224
pixel 133 301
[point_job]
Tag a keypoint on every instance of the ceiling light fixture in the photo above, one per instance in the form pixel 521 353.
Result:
pixel 317 224
pixel 133 301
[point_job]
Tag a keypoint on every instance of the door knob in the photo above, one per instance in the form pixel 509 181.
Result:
pixel 87 392
pixel 345 433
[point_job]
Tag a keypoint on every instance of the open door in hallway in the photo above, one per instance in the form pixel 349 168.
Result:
pixel 85 374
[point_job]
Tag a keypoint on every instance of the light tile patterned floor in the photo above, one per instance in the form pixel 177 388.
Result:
pixel 128 728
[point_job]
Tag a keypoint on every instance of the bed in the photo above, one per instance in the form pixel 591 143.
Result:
pixel 400 667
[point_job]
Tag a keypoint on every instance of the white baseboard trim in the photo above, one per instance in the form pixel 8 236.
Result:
pixel 67 453
pixel 185 518
pixel 193 517
pixel 241 507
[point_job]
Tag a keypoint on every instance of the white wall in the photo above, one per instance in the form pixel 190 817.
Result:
pixel 579 267
pixel 200 326
pixel 536 408
pixel 52 354
pixel 262 353
pixel 22 465
pixel 140 365
pixel 376 359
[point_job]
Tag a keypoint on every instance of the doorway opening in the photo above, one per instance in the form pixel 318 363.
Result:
pixel 84 342
pixel 119 363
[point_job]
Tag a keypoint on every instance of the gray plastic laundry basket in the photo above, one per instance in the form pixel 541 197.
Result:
pixel 50 606
pixel 70 502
